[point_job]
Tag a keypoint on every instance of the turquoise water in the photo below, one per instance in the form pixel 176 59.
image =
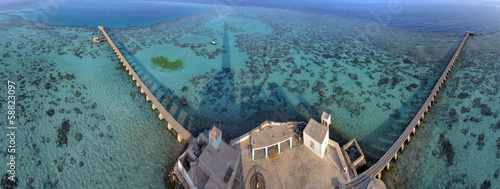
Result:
pixel 459 146
pixel 268 64
pixel 123 144
pixel 284 65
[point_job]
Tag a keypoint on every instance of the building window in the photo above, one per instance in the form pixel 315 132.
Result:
pixel 312 145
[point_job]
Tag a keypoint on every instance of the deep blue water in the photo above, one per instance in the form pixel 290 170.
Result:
pixel 448 17
pixel 111 14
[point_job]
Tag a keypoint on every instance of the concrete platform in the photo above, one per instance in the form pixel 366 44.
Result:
pixel 297 167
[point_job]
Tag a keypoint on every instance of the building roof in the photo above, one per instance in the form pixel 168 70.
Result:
pixel 297 167
pixel 316 131
pixel 325 116
pixel 218 161
pixel 215 132
pixel 270 136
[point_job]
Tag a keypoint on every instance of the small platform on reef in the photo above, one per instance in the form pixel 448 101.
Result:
pixel 97 39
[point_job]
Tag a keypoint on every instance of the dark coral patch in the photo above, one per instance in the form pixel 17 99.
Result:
pixel 463 95
pixel 446 150
pixel 486 110
pixel 411 86
pixel 62 133
pixel 50 112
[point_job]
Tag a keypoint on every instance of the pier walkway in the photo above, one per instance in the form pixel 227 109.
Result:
pixel 366 177
pixel 182 133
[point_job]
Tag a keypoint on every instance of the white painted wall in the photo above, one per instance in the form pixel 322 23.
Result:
pixel 319 148
pixel 324 144
pixel 215 142
pixel 317 145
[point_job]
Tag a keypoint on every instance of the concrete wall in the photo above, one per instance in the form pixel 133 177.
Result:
pixel 324 144
pixel 317 146
pixel 215 142
pixel 185 175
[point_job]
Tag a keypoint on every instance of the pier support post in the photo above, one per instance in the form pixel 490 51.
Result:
pixel 379 175
pixel 169 126
pixel 396 156
pixel 387 166
pixel 137 84
pixel 413 130
pixel 402 146
pixel 408 138
pixel 129 73
pixel 161 117
pixel 418 123
pixel 179 138
pixel 147 98
pixel 154 107
pixel 142 91
pixel 133 78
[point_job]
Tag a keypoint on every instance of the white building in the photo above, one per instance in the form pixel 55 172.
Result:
pixel 215 137
pixel 316 136
pixel 326 119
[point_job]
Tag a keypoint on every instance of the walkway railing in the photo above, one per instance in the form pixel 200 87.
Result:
pixel 376 170
pixel 182 133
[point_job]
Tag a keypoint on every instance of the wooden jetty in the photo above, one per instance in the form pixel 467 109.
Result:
pixel 182 133
pixel 366 177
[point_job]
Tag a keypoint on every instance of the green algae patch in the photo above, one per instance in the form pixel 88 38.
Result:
pixel 166 63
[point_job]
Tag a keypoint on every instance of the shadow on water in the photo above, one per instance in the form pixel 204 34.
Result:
pixel 219 97
pixel 167 97
pixel 220 101
pixel 390 130
pixel 305 108
pixel 239 108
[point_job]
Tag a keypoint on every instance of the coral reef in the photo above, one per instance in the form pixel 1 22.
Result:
pixel 62 138
pixel 446 150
